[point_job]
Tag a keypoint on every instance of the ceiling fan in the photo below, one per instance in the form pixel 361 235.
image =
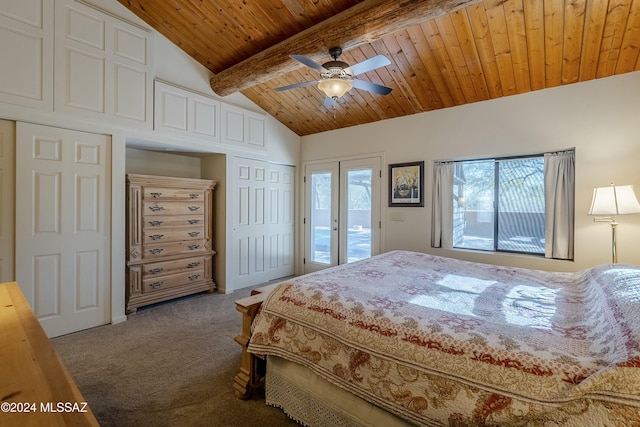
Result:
pixel 337 77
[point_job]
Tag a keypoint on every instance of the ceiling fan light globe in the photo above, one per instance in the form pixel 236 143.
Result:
pixel 335 88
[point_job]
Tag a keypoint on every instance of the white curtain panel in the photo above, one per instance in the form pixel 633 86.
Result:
pixel 559 192
pixel 442 206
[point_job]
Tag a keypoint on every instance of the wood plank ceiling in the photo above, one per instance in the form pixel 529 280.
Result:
pixel 443 53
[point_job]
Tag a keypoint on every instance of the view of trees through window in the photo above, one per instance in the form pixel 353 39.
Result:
pixel 499 205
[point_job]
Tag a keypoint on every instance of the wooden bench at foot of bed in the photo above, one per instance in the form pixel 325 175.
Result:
pixel 252 367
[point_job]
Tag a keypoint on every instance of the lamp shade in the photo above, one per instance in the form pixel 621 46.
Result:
pixel 614 200
pixel 335 88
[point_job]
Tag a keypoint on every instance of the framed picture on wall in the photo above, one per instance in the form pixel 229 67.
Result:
pixel 406 184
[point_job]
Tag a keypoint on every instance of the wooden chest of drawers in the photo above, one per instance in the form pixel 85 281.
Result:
pixel 169 238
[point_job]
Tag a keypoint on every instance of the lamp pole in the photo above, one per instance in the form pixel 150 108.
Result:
pixel 614 241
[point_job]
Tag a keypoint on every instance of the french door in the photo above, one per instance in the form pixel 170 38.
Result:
pixel 342 212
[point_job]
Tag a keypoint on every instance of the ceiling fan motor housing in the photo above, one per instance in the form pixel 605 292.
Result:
pixel 335 69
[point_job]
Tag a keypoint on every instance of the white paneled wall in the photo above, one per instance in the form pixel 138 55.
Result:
pixel 102 65
pixel 184 112
pixel 26 32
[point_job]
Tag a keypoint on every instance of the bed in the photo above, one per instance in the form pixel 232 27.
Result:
pixel 428 340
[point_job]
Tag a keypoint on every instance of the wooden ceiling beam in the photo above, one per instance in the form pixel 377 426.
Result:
pixel 363 23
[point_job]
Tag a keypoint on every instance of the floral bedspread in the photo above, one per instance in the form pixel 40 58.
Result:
pixel 440 341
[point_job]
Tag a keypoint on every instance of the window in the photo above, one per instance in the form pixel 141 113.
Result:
pixel 499 205
pixel 517 204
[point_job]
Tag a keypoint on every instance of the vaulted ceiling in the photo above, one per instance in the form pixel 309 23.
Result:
pixel 443 52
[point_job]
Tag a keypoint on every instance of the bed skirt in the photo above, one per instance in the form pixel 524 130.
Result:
pixel 315 402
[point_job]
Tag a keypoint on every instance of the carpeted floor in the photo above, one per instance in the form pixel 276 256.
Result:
pixel 171 364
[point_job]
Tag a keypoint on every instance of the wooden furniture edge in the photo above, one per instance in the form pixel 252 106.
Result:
pixel 251 366
pixel 38 375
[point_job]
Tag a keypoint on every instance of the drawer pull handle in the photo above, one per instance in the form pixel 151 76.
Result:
pixel 156 251
pixel 194 233
pixel 194 221
pixel 156 236
pixel 156 285
pixel 192 247
pixel 193 264
pixel 194 208
pixel 156 270
pixel 156 195
pixel 156 208
pixel 194 195
pixel 194 277
pixel 155 223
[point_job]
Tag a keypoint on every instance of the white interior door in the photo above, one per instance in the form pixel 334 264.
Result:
pixel 63 226
pixel 7 199
pixel 263 227
pixel 342 212
pixel 280 225
pixel 249 222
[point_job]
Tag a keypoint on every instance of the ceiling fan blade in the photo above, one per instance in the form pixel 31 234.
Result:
pixel 369 64
pixel 308 62
pixel 296 85
pixel 371 87
pixel 328 102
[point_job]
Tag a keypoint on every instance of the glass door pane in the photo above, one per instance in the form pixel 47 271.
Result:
pixel 358 214
pixel 359 209
pixel 321 217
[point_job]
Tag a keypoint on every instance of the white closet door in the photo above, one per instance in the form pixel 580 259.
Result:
pixel 249 222
pixel 280 223
pixel 263 227
pixel 7 158
pixel 63 226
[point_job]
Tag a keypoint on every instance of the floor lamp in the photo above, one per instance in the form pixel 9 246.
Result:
pixel 609 202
